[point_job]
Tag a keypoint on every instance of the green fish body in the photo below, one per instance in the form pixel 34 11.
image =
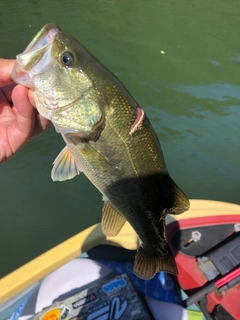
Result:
pixel 109 138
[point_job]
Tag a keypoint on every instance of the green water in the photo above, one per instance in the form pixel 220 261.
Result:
pixel 191 93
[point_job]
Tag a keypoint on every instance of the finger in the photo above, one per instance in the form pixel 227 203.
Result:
pixel 19 128
pixel 4 105
pixel 23 109
pixel 31 97
pixel 23 100
pixel 5 71
pixel 7 91
pixel 41 124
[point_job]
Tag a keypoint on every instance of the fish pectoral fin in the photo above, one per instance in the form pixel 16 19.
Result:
pixel 64 166
pixel 112 220
pixel 147 265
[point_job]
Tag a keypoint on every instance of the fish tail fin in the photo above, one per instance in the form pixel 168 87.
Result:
pixel 147 265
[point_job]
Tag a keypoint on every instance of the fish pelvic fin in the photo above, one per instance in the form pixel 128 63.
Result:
pixel 64 166
pixel 112 220
pixel 147 265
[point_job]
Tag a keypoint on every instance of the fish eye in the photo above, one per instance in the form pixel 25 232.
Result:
pixel 67 59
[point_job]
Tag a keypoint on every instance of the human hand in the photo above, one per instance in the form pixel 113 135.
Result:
pixel 19 120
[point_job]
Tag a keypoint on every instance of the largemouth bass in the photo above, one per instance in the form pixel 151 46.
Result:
pixel 108 137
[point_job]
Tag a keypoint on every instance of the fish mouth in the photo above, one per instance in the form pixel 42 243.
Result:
pixel 36 56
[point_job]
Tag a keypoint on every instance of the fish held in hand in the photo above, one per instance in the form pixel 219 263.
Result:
pixel 108 137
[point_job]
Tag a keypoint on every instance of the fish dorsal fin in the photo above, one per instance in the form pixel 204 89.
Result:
pixel 181 202
pixel 64 166
pixel 112 220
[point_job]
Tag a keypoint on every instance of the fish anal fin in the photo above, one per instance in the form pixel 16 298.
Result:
pixel 64 166
pixel 112 220
pixel 147 265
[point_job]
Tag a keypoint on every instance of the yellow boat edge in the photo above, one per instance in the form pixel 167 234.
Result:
pixel 40 267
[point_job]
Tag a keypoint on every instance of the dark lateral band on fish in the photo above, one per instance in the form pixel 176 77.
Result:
pixel 108 137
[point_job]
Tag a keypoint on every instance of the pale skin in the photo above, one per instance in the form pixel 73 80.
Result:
pixel 19 120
